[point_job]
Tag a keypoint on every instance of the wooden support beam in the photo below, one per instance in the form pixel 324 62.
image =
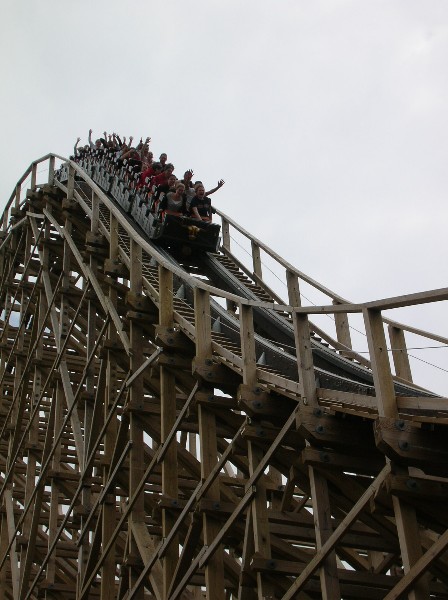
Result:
pixel 343 330
pixel 318 484
pixel 256 259
pixel 405 516
pixel 400 353
pixel 137 458
pixel 167 420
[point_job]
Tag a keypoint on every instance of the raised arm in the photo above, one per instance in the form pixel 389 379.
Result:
pixel 126 154
pixel 75 147
pixel 91 144
pixel 221 182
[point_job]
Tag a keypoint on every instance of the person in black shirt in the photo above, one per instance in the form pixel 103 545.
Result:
pixel 201 205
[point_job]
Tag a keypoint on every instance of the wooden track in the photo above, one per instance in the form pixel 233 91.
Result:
pixel 145 454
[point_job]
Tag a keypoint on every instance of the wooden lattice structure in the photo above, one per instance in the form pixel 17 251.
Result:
pixel 148 451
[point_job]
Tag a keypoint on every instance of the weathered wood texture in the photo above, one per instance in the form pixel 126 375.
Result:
pixel 148 451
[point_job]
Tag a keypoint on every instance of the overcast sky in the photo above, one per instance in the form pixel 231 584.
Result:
pixel 327 119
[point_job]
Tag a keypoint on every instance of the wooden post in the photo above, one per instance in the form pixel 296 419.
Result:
pixel 70 183
pixel 33 176
pixel 214 569
pixel 259 514
pixel 225 230
pixel 51 164
pixel 248 345
pixel 319 487
pixel 137 457
pixel 343 330
pixel 405 516
pixel 167 420
pixel 17 196
pixel 400 353
pixel 256 259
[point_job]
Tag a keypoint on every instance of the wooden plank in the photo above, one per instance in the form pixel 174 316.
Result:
pixel 203 335
pixel 214 570
pixel 337 534
pixel 147 549
pixel 343 331
pixel 14 565
pixel 405 516
pixel 167 420
pixel 260 521
pixel 322 429
pixel 322 525
pixel 409 445
pixel 256 259
pixel 400 353
pixel 247 336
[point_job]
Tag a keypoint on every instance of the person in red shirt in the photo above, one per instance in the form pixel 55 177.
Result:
pixel 152 171
pixel 162 178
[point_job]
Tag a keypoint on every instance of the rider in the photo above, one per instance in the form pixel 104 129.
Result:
pixel 201 205
pixel 174 202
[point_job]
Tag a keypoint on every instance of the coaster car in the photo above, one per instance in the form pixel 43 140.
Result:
pixel 183 232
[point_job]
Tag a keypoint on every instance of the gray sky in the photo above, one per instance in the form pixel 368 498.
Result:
pixel 327 119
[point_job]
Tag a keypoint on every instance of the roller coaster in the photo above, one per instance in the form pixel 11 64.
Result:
pixel 170 427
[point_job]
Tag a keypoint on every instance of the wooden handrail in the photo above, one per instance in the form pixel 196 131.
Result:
pixel 342 305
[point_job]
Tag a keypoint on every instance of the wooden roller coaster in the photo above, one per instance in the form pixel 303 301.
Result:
pixel 171 428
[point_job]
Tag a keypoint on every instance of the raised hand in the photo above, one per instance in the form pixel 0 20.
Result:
pixel 221 182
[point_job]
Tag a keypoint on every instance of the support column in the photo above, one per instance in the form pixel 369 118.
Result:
pixel 137 456
pixel 343 330
pixel 319 487
pixel 214 569
pixel 258 512
pixel 168 418
pixel 109 510
pixel 400 353
pixel 405 515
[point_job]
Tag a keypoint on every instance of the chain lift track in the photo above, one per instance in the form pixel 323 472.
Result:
pixel 170 428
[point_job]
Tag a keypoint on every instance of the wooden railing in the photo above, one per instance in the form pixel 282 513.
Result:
pixel 337 306
pixel 257 250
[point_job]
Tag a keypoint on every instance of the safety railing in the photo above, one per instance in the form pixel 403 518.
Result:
pixel 337 307
pixel 256 253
